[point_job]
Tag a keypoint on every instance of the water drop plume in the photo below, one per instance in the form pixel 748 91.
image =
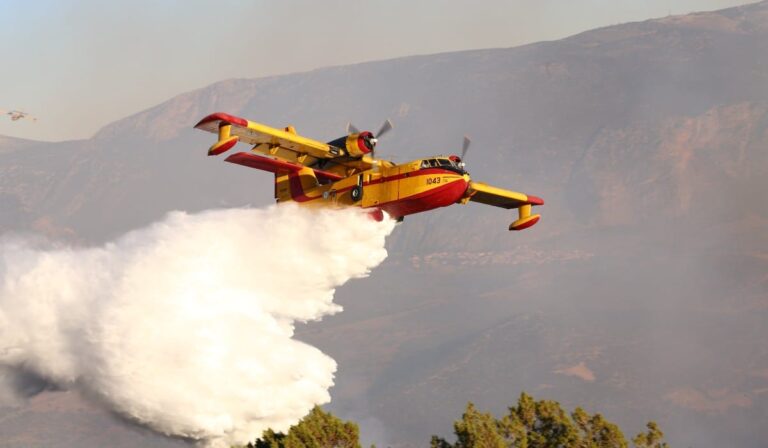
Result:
pixel 187 325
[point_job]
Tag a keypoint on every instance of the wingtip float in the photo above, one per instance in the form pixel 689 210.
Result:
pixel 344 172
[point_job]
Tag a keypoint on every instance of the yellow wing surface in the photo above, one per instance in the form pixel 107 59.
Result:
pixel 284 149
pixel 266 139
pixel 499 197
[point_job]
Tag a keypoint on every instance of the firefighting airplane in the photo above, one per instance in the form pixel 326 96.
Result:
pixel 17 115
pixel 344 172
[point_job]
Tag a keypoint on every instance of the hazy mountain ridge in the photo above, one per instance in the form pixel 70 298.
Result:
pixel 707 32
pixel 10 144
pixel 642 293
pixel 166 120
pixel 552 104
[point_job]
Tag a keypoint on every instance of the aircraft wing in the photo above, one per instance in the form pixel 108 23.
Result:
pixel 281 143
pixel 276 166
pixel 498 197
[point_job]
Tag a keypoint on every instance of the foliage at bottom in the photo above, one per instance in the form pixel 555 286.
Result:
pixel 529 424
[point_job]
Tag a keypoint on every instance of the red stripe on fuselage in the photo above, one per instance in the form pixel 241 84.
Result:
pixel 441 196
pixel 300 190
pixel 425 172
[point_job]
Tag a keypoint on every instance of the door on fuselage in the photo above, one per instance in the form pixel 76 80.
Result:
pixel 381 186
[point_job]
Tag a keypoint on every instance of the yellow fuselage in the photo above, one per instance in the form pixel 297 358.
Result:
pixel 343 172
pixel 399 190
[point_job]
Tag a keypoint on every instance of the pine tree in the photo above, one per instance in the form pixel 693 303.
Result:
pixel 542 424
pixel 477 429
pixel 319 429
pixel 529 424
pixel 651 439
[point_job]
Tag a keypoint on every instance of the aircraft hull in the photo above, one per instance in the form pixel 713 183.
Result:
pixel 443 195
pixel 344 173
pixel 399 194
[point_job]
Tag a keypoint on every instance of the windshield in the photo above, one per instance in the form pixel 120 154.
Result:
pixel 441 163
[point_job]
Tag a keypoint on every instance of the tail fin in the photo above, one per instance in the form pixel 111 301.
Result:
pixel 293 186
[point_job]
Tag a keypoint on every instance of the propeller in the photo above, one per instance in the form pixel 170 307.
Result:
pixel 465 147
pixel 386 127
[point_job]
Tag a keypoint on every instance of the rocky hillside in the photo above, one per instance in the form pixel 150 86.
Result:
pixel 642 292
pixel 648 111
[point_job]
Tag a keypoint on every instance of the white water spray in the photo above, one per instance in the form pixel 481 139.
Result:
pixel 187 325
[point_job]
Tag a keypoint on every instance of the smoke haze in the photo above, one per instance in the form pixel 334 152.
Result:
pixel 187 325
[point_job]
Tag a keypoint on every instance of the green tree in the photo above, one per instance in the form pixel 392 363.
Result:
pixel 651 439
pixel 597 432
pixel 542 424
pixel 319 429
pixel 529 424
pixel 477 429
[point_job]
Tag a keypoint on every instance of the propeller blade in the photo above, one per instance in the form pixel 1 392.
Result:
pixel 386 127
pixel 465 147
pixel 352 129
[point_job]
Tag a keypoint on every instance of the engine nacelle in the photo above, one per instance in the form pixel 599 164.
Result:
pixel 356 144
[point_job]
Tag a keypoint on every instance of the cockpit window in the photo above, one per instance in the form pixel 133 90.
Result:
pixel 443 163
pixel 440 163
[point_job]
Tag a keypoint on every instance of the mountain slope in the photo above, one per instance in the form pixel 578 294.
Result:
pixel 641 293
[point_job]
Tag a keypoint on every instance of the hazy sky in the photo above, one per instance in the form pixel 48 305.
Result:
pixel 78 64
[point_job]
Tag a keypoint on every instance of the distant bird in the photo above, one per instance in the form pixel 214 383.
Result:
pixel 17 115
